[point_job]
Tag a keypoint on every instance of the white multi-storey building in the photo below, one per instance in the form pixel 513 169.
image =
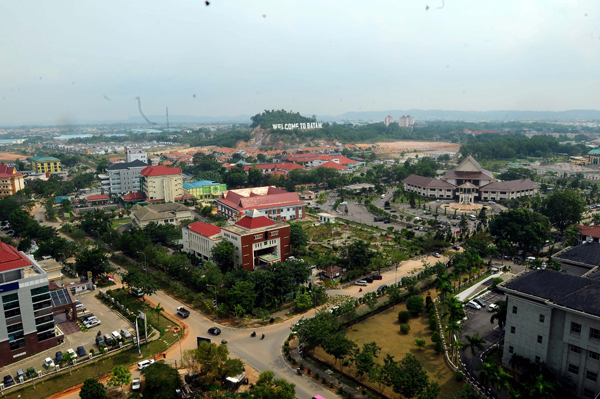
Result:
pixel 135 154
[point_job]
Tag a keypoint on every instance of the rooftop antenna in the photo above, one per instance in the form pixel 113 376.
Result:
pixel 167 117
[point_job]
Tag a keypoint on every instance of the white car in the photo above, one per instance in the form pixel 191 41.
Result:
pixel 473 305
pixel 437 255
pixel 144 363
pixel 116 335
pixel 49 363
pixel 125 332
pixel 333 309
pixel 361 282
pixel 72 353
pixel 492 307
pixel 343 203
pixel 136 384
pixel 92 323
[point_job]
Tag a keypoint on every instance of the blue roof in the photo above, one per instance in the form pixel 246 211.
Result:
pixel 595 151
pixel 199 184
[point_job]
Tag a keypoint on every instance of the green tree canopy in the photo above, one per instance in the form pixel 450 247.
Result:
pixel 94 260
pixel 269 387
pixel 563 208
pixel 223 255
pixel 160 381
pixel 92 389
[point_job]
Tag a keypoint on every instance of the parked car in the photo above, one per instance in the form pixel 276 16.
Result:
pixel 116 335
pixel 361 282
pixel 456 248
pixel 333 309
pixel 92 323
pixel 377 277
pixel 473 305
pixel 81 351
pixel 100 341
pixel 8 381
pixel 144 363
pixel 492 307
pixel 214 330
pixel 72 353
pixel 20 374
pixel 136 383
pixel 387 221
pixel 125 332
pixel 381 288
pixel 59 357
pixel 48 363
pixel 368 280
pixel 109 340
pixel 480 302
pixel 437 255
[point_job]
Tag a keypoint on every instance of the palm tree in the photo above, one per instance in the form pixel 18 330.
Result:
pixel 454 309
pixel 538 389
pixel 68 358
pixel 500 314
pixel 488 373
pixel 453 328
pixel 157 310
pixel 475 343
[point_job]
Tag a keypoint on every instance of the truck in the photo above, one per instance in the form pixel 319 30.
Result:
pixel 183 312
pixel 378 218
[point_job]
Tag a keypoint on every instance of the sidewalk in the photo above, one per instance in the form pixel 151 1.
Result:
pixel 463 296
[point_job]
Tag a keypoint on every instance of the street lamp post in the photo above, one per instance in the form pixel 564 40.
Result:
pixel 216 304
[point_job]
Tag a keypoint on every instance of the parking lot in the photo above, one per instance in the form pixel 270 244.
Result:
pixel 110 321
pixel 478 322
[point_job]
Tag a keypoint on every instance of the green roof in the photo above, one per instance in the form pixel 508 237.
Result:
pixel 41 157
pixel 595 152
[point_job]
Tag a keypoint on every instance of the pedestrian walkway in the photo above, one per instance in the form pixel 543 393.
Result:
pixel 463 296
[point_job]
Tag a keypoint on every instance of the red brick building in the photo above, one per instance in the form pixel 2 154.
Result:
pixel 273 202
pixel 258 240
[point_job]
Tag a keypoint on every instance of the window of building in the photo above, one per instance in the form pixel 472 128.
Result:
pixel 511 349
pixel 590 375
pixel 512 330
pixel 542 318
pixel 575 328
pixel 588 393
pixel 594 355
pixel 574 349
pixel 594 333
pixel 573 369
pixel 537 359
pixel 514 310
pixel 539 340
pixel 258 236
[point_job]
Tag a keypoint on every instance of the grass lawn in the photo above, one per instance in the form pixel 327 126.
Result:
pixel 119 222
pixel 385 330
pixel 98 369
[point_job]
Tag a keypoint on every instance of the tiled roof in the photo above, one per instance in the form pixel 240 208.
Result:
pixel 482 174
pixel 332 165
pixel 289 166
pixel 159 170
pixel 426 182
pixel 258 198
pixel 134 196
pixel 158 212
pixel 255 220
pixel 588 254
pixel 8 171
pixel 97 197
pixel 11 259
pixel 207 230
pixel 126 165
pixel 511 185
pixel 590 231
pixel 41 157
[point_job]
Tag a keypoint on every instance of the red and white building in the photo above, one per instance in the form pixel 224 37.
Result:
pixel 276 204
pixel 162 184
pixel 283 167
pixel 258 240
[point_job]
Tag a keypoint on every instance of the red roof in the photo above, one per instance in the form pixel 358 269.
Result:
pixel 8 171
pixel 159 170
pixel 11 259
pixel 97 197
pixel 138 195
pixel 207 230
pixel 253 221
pixel 259 198
pixel 332 165
pixel 592 231
pixel 290 166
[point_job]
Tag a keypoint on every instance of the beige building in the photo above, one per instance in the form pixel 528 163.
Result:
pixel 10 181
pixel 162 184
pixel 161 213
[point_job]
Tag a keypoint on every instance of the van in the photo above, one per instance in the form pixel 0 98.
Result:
pixel 116 335
pixel 108 340
pixel 472 217
pixel 473 305
pixel 382 196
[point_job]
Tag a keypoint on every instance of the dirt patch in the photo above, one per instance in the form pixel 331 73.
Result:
pixel 395 148
pixel 11 156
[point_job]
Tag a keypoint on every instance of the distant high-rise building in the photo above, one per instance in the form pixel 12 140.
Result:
pixel 388 120
pixel 406 121
pixel 134 154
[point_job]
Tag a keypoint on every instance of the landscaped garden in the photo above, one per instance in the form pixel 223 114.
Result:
pixel 384 329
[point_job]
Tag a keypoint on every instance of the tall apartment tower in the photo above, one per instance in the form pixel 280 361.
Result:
pixel 388 119
pixel 134 154
pixel 406 121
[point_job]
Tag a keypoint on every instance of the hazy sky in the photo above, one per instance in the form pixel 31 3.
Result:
pixel 59 59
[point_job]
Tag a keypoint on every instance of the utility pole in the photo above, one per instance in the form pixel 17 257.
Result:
pixel 216 303
pixel 167 117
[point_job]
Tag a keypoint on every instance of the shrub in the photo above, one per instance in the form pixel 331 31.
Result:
pixel 458 375
pixel 340 391
pixel 428 300
pixel 403 317
pixel 420 343
pixel 435 337
pixel 431 313
pixel 438 347
pixel 415 305
pixel 405 328
pixel 433 326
